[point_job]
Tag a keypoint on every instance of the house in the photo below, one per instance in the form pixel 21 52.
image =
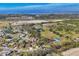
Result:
pixel 76 39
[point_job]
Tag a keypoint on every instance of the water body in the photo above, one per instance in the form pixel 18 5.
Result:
pixel 39 8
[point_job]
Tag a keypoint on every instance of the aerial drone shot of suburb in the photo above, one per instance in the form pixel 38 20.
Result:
pixel 39 29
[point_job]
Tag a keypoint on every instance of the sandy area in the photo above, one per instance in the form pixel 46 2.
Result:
pixel 32 22
pixel 71 52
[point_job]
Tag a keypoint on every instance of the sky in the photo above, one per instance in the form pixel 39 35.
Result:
pixel 39 8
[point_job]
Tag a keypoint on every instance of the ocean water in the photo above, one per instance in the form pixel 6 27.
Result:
pixel 39 8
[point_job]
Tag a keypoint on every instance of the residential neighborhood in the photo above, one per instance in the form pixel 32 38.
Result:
pixel 38 37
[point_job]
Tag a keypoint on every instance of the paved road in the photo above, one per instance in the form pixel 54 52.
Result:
pixel 71 52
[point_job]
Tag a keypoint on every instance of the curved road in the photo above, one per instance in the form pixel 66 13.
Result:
pixel 71 52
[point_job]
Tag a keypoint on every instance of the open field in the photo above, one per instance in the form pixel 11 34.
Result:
pixel 3 23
